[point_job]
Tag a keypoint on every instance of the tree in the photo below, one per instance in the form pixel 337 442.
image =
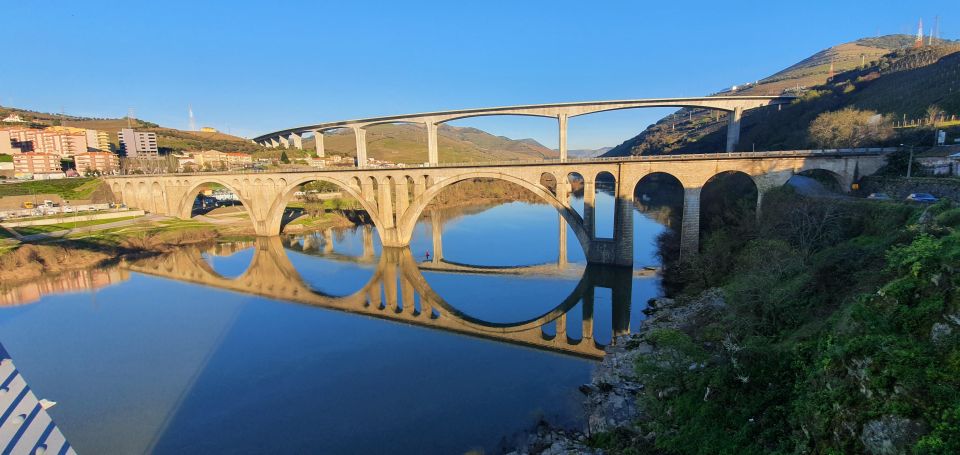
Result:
pixel 849 127
pixel 284 158
pixel 933 113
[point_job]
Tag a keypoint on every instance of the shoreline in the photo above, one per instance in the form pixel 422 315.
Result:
pixel 610 399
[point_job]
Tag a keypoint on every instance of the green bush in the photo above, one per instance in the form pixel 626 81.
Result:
pixel 950 218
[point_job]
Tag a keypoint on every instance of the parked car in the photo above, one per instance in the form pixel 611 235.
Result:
pixel 879 196
pixel 921 197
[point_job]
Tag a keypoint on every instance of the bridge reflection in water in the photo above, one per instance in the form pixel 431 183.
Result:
pixel 398 291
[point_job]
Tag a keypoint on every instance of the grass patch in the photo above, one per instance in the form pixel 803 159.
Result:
pixel 69 189
pixel 29 230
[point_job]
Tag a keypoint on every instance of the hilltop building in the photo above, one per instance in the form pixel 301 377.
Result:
pixel 208 129
pixel 137 144
pixel 13 118
pixel 102 162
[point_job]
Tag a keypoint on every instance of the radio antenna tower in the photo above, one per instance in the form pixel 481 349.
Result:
pixel 193 122
pixel 919 40
pixel 936 28
pixel 131 113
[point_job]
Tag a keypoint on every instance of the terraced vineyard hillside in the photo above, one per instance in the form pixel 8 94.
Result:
pixel 903 81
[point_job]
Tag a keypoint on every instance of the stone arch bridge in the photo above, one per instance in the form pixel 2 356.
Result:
pixel 396 197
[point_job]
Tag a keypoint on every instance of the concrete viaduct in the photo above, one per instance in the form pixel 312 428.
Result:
pixel 735 105
pixel 395 198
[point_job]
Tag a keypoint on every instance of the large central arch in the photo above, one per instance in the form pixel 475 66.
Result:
pixel 275 214
pixel 408 222
pixel 184 207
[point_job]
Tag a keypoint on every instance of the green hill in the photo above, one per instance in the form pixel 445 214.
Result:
pixel 894 79
pixel 405 143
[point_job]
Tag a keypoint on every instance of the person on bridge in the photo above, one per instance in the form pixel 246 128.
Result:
pixel 428 255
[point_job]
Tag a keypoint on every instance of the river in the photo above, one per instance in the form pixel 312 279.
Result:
pixel 325 343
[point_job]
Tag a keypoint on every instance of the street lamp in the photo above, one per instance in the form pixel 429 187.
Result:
pixel 910 161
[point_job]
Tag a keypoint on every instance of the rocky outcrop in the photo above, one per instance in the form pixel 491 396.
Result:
pixel 610 398
pixel 890 435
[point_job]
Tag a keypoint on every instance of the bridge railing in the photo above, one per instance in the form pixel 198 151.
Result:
pixel 589 160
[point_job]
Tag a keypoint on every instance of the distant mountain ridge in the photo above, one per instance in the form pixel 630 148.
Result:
pixel 703 131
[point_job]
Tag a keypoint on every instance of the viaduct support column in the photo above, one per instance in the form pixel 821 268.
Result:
pixel 318 139
pixel 361 135
pixel 285 142
pixel 589 205
pixel 563 194
pixel 385 206
pixel 297 140
pixel 433 155
pixel 328 240
pixel 368 244
pixel 623 225
pixel 274 143
pixel 562 120
pixel 733 129
pixel 690 224
pixel 436 225
pixel 401 199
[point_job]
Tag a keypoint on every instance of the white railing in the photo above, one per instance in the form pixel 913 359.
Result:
pixel 548 162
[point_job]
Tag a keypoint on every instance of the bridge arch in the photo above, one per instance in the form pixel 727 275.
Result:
pixel 351 187
pixel 408 221
pixel 831 180
pixel 726 197
pixel 184 207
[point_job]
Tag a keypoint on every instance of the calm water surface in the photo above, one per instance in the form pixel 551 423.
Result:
pixel 347 349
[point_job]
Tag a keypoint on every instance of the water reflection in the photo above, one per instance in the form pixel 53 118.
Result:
pixel 199 351
pixel 397 290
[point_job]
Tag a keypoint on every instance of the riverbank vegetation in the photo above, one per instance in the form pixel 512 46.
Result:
pixel 840 334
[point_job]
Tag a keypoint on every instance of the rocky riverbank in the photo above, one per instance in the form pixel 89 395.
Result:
pixel 610 398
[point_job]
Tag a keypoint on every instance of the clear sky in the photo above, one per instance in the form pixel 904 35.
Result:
pixel 254 67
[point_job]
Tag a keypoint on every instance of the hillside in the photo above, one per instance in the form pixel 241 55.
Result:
pixel 703 131
pixel 168 139
pixel 398 143
pixel 405 143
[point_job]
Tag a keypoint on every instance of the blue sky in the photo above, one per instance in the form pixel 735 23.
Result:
pixel 254 67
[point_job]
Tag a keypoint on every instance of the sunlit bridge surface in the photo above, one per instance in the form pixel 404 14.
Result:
pixel 326 342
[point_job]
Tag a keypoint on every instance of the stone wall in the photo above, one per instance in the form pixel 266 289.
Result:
pixel 900 187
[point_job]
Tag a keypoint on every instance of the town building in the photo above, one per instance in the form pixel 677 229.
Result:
pixel 97 162
pixel 238 159
pixel 98 141
pixel 138 144
pixel 56 141
pixel 6 144
pixel 37 165
pixel 208 129
pixel 212 159
pixel 13 118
